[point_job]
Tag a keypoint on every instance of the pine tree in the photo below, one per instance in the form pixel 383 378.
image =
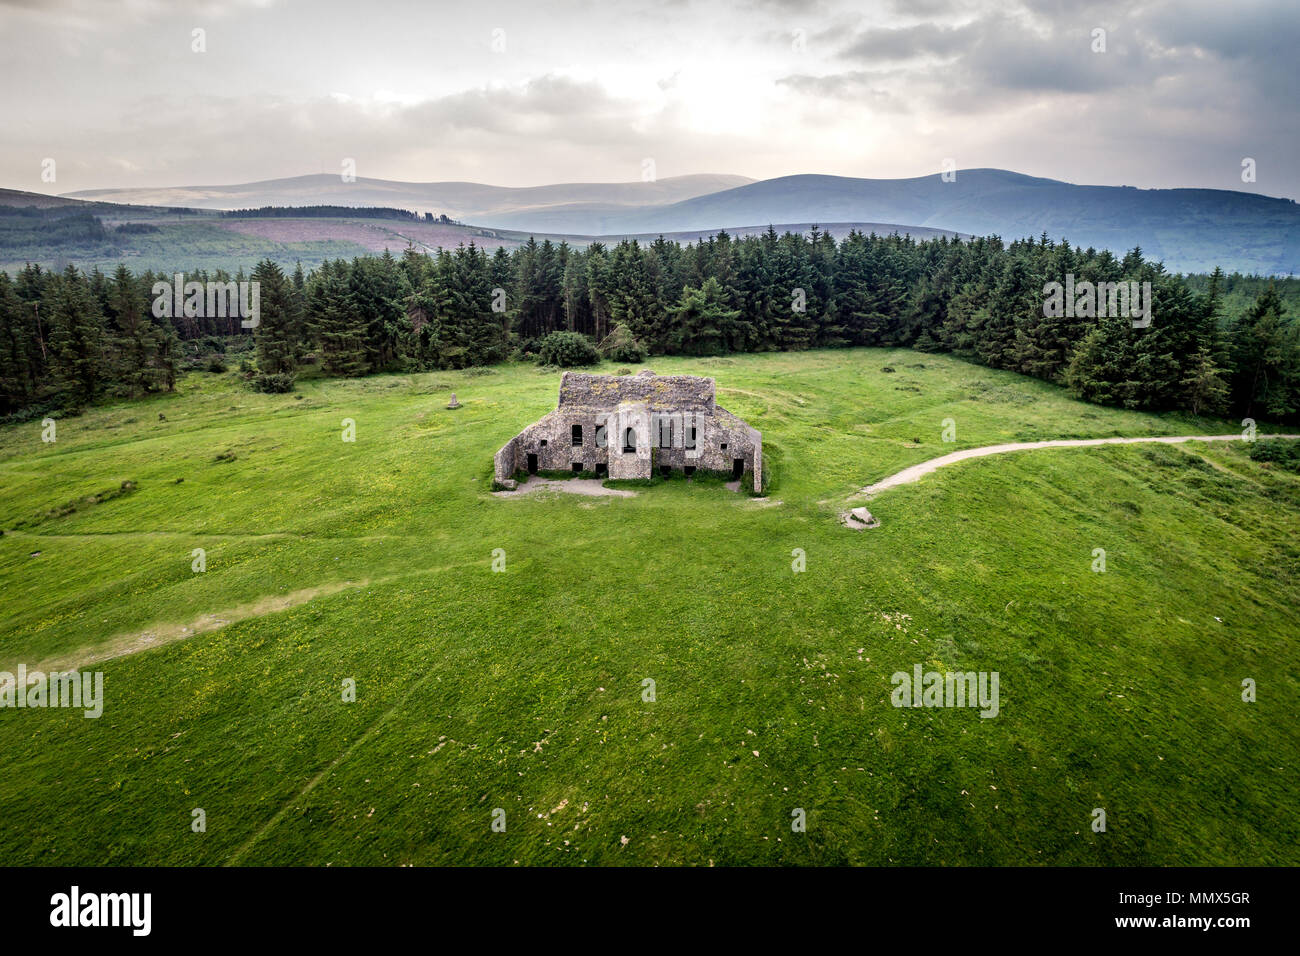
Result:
pixel 599 288
pixel 469 285
pixel 633 300
pixel 1101 368
pixel 341 333
pixel 136 338
pixel 501 274
pixel 1015 297
pixel 165 356
pixel 277 335
pixel 1266 359
pixel 21 368
pixel 1203 390
pixel 437 336
pixel 377 295
pixel 76 338
pixel 702 320
pixel 1044 343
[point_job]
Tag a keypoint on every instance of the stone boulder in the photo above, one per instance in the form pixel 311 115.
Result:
pixel 861 518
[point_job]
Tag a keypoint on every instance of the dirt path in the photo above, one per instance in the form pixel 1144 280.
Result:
pixel 167 632
pixel 915 472
pixel 121 645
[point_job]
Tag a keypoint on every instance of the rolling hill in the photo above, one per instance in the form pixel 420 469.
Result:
pixel 1191 230
pixel 486 205
pixel 56 231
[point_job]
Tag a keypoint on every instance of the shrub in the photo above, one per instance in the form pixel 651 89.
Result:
pixel 217 364
pixel 567 350
pixel 275 383
pixel 621 346
pixel 1278 451
pixel 628 353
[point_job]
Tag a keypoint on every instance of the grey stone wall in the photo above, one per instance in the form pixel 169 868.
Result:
pixel 505 461
pixel 661 430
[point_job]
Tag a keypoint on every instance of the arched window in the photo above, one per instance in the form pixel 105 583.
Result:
pixel 629 440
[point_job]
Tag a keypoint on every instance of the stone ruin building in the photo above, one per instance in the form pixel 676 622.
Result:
pixel 634 426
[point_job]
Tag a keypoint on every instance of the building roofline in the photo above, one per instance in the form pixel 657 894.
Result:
pixel 686 392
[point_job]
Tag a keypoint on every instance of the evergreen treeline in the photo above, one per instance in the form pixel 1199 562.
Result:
pixel 69 339
pixel 24 229
pixel 979 299
pixel 334 212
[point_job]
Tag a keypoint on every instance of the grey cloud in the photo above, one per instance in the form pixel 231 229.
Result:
pixel 548 97
pixel 1001 52
pixel 903 43
pixel 861 86
pixel 586 90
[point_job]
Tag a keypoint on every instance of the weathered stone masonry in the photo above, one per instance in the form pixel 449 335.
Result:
pixel 634 426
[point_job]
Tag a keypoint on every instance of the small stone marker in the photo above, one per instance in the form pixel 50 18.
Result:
pixel 453 403
pixel 861 518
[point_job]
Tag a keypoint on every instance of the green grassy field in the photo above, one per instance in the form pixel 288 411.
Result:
pixel 522 690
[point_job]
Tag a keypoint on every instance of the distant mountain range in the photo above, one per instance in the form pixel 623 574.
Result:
pixel 468 202
pixel 1189 229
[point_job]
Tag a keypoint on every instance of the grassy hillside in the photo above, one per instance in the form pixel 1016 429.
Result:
pixel 522 690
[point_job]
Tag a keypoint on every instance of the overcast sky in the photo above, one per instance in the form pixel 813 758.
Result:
pixel 526 93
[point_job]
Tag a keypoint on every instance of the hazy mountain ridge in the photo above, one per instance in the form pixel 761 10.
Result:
pixel 1189 229
pixel 460 200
